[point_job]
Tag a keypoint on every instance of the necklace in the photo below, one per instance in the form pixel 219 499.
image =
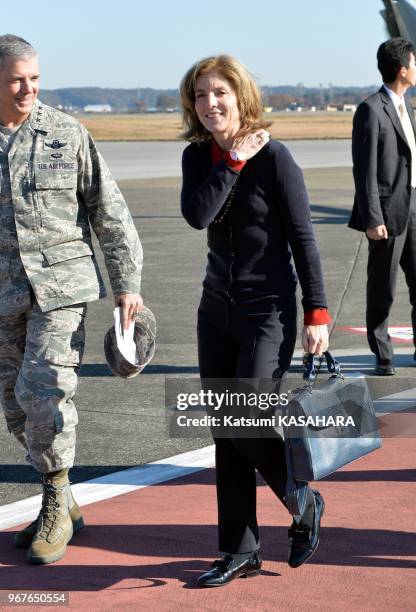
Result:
pixel 227 203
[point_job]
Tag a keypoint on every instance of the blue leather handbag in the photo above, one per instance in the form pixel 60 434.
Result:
pixel 340 427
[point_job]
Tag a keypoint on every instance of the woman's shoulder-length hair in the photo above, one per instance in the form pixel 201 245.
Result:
pixel 242 82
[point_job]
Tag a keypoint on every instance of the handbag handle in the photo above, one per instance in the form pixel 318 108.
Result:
pixel 310 372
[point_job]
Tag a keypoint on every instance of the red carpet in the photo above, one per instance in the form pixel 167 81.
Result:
pixel 144 550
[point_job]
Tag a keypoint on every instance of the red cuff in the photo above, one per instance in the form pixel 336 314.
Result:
pixel 232 163
pixel 217 154
pixel 317 316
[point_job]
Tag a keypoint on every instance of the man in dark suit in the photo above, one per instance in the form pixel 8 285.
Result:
pixel 384 168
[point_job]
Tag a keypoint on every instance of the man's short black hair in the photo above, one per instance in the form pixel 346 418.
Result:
pixel 393 55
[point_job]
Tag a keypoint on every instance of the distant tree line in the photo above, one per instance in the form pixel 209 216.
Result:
pixel 120 100
pixel 280 98
pixel 145 99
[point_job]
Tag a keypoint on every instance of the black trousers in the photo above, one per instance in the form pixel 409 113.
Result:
pixel 253 339
pixel 384 259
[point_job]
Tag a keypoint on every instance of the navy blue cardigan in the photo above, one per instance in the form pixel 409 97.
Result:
pixel 250 250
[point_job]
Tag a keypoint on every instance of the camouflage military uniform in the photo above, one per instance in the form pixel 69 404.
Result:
pixel 54 186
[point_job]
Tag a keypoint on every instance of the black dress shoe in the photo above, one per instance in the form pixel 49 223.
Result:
pixel 384 367
pixel 303 541
pixel 226 569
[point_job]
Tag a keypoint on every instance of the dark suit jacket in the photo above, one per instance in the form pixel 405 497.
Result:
pixel 381 165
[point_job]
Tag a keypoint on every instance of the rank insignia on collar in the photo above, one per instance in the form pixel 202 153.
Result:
pixel 56 144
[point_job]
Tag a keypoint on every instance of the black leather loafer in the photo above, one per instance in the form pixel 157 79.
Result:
pixel 384 368
pixel 303 541
pixel 226 569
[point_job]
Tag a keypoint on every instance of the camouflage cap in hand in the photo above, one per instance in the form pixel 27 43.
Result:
pixel 144 337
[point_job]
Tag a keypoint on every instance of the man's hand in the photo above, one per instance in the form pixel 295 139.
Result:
pixel 247 146
pixel 377 233
pixel 315 339
pixel 131 304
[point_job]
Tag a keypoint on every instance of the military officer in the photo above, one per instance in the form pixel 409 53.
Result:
pixel 54 186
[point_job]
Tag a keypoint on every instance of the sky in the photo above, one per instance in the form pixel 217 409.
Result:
pixel 129 44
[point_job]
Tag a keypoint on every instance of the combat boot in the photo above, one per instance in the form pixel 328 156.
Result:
pixel 24 537
pixel 54 529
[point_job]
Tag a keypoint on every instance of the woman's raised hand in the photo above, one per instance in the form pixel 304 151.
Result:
pixel 245 147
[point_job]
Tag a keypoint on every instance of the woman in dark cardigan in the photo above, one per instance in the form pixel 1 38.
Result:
pixel 250 195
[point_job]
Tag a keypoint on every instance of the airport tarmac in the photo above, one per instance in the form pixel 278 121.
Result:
pixel 140 160
pixel 122 423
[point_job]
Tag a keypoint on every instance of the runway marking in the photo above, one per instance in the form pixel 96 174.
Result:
pixel 116 483
pixel 361 359
pixel 395 402
pixel 398 333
